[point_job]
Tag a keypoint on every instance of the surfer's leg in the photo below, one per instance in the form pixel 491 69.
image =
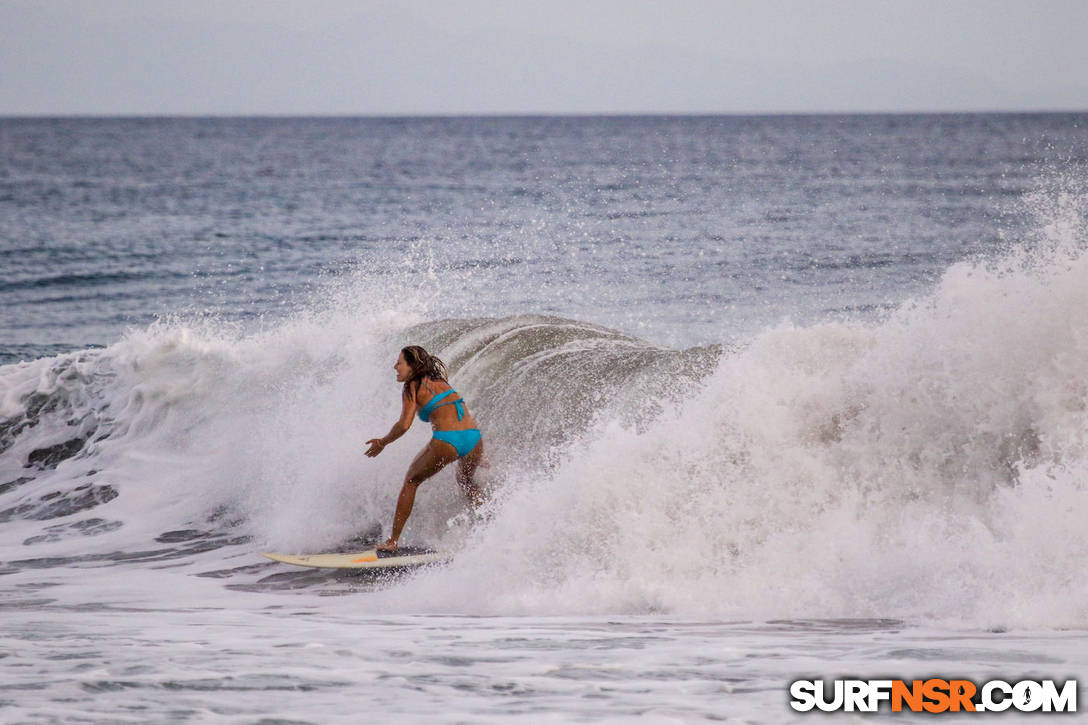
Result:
pixel 430 461
pixel 466 470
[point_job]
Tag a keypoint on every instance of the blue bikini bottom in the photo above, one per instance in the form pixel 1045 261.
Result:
pixel 463 440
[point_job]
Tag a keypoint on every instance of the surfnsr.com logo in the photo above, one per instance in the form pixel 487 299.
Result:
pixel 933 695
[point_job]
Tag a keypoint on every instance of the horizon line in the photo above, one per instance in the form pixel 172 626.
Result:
pixel 535 114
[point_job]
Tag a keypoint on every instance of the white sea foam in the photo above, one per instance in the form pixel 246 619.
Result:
pixel 931 466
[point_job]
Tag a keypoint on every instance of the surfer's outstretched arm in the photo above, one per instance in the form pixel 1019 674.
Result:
pixel 407 414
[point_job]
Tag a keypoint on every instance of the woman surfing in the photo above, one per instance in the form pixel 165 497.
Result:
pixel 455 435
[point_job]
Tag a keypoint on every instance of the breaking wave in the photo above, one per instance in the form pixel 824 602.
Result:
pixel 931 465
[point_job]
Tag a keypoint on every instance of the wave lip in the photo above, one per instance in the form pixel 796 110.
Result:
pixel 538 381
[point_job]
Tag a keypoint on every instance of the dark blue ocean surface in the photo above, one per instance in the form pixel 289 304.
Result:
pixel 685 230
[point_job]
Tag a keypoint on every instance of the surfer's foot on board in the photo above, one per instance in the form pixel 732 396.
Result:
pixel 389 545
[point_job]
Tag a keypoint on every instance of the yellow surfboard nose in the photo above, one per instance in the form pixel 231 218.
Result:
pixel 362 559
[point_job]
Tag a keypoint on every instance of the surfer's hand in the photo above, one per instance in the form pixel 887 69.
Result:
pixel 376 447
pixel 389 545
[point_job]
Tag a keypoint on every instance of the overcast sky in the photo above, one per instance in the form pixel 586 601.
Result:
pixel 198 57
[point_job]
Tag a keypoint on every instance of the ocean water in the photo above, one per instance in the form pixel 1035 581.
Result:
pixel 764 399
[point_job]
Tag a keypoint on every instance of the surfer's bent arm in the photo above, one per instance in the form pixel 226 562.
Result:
pixel 407 414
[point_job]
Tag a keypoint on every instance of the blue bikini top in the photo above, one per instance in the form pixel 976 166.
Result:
pixel 426 410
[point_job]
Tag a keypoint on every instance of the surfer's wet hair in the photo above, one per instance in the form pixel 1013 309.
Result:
pixel 423 364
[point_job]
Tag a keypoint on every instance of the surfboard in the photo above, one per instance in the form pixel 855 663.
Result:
pixel 369 559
